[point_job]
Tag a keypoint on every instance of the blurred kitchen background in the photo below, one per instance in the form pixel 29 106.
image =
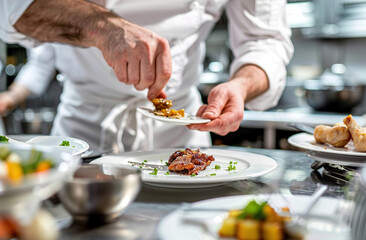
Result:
pixel 326 77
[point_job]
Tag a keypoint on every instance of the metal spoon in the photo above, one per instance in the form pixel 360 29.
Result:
pixel 295 227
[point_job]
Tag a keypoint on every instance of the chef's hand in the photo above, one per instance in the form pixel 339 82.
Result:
pixel 225 108
pixel 226 101
pixel 138 57
pixel 11 98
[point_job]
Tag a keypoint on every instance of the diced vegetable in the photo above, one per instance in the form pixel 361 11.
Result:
pixel 248 229
pixel 228 228
pixel 4 152
pixel 15 172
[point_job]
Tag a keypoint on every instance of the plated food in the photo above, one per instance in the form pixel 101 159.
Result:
pixel 189 162
pixel 256 221
pixel 162 108
pixel 14 168
pixel 341 134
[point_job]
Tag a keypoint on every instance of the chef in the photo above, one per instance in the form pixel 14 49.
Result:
pixel 122 53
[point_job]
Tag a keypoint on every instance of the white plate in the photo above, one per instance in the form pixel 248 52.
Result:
pixel 179 225
pixel 352 161
pixel 248 165
pixel 76 148
pixel 307 141
pixel 186 120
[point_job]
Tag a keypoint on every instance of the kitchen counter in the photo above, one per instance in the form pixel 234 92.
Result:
pixel 292 176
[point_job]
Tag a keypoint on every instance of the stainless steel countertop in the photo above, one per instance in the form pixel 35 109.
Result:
pixel 140 221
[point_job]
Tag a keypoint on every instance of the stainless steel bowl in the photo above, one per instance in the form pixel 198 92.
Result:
pixel 100 192
pixel 358 220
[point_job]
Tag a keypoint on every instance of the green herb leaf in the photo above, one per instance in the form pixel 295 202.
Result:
pixel 167 173
pixel 3 139
pixel 154 172
pixel 217 167
pixel 253 210
pixel 213 174
pixel 231 168
pixel 193 175
pixel 65 143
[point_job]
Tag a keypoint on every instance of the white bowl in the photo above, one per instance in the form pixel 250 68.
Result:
pixel 23 198
pixel 76 148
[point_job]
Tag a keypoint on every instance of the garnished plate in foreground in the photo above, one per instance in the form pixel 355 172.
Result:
pixel 186 120
pixel 229 166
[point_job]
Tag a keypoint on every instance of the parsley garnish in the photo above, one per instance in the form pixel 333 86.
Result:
pixel 167 173
pixel 166 163
pixel 217 167
pixel 231 167
pixel 145 161
pixel 154 172
pixel 65 143
pixel 213 174
pixel 4 139
pixel 193 175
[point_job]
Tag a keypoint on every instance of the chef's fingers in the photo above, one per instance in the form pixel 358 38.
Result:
pixel 133 71
pixel 162 95
pixel 201 110
pixel 121 71
pixel 163 70
pixel 147 74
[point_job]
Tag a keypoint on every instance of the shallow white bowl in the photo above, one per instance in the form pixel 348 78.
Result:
pixel 76 148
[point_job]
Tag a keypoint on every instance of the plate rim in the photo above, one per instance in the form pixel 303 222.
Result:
pixel 318 148
pixel 198 120
pixel 190 182
pixel 79 141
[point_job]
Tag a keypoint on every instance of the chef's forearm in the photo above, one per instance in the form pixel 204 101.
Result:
pixel 76 22
pixel 252 80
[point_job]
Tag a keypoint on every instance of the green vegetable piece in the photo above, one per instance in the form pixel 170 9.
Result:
pixel 166 163
pixel 4 139
pixel 231 168
pixel 193 175
pixel 213 174
pixel 4 152
pixel 253 210
pixel 167 173
pixel 217 167
pixel 65 143
pixel 30 166
pixel 154 172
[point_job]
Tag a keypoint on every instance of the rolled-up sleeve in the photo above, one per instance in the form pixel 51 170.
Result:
pixel 259 35
pixel 39 70
pixel 10 12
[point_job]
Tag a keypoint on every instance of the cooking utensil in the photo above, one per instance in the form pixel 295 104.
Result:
pixel 100 192
pixel 144 165
pixel 302 127
pixel 333 93
pixel 296 227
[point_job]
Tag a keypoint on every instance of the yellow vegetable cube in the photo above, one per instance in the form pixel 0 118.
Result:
pixel 248 229
pixel 272 231
pixel 228 228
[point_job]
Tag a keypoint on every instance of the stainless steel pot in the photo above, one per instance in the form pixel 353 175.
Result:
pixel 333 93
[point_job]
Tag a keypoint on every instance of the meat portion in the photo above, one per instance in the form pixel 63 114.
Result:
pixel 358 134
pixel 189 161
pixel 337 136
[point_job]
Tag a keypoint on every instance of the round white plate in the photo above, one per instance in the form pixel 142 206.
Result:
pixel 352 161
pixel 247 165
pixel 180 225
pixel 307 141
pixel 76 148
pixel 186 120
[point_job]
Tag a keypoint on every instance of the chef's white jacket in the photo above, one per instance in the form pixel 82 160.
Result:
pixel 258 35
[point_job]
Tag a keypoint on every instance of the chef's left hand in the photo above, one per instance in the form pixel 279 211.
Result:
pixel 225 108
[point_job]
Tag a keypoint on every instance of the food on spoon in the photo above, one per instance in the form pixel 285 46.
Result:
pixel 337 136
pixel 162 108
pixel 358 134
pixel 14 168
pixel 256 221
pixel 189 161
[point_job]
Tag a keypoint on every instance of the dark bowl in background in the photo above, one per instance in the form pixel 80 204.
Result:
pixel 333 98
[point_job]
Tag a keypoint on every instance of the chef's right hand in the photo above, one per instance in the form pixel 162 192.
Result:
pixel 7 102
pixel 138 56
